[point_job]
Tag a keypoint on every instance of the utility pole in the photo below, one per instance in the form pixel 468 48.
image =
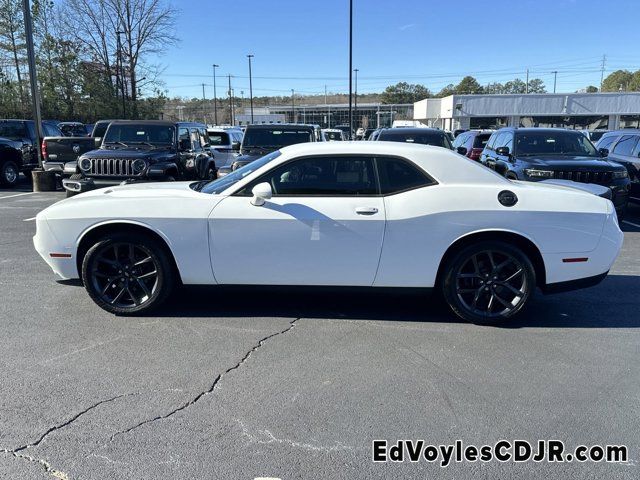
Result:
pixel 527 87
pixel 355 100
pixel 555 77
pixel 293 111
pixel 350 67
pixel 250 86
pixel 230 101
pixel 33 77
pixel 204 115
pixel 215 96
pixel 604 60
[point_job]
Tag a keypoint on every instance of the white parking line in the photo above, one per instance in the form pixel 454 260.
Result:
pixel 29 219
pixel 631 223
pixel 17 195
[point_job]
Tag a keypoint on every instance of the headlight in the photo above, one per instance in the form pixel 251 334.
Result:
pixel 532 172
pixel 620 174
pixel 85 164
pixel 138 165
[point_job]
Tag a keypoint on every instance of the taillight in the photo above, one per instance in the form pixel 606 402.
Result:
pixel 475 153
pixel 43 150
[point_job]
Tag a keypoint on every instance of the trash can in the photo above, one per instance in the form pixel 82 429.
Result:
pixel 44 181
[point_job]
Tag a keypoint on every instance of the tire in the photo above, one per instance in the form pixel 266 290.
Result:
pixel 126 283
pixel 9 173
pixel 488 282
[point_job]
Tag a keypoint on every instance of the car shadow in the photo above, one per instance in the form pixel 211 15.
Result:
pixel 612 304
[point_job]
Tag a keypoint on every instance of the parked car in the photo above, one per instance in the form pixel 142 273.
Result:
pixel 348 214
pixel 472 142
pixel 374 135
pixel 150 150
pixel 535 154
pixel 60 151
pixel 259 140
pixel 367 133
pixel 623 146
pixel 73 129
pixel 225 144
pixel 18 148
pixel 594 135
pixel 332 135
pixel 424 136
pixel 89 128
pixel 458 131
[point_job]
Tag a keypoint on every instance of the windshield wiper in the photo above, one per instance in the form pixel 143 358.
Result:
pixel 198 186
pixel 117 143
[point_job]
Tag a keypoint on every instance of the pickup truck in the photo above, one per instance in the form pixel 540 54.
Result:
pixel 18 148
pixel 60 151
pixel 143 150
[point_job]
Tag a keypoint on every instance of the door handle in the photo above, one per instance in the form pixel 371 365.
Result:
pixel 366 210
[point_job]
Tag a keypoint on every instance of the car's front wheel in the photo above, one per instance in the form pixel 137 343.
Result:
pixel 127 274
pixel 488 282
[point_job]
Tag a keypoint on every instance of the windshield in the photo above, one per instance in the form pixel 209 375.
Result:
pixel 220 185
pixel 555 143
pixel 218 138
pixel 99 129
pixel 140 134
pixel 436 139
pixel 277 137
pixel 12 130
pixel 73 130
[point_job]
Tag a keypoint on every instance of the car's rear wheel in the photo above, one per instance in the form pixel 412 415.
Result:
pixel 128 274
pixel 488 282
pixel 9 173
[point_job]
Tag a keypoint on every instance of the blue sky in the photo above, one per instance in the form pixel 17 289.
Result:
pixel 303 44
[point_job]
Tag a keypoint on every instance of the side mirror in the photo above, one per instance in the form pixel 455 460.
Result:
pixel 503 151
pixel 604 152
pixel 261 192
pixel 184 145
pixel 235 146
pixel 462 150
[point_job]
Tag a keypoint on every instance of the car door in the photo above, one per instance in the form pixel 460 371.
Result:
pixel 491 158
pixel 503 163
pixel 626 151
pixel 324 225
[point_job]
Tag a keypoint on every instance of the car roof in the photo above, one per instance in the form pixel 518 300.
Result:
pixel 622 131
pixel 144 122
pixel 414 130
pixel 280 125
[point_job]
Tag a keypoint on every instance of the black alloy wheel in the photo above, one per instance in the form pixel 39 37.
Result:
pixel 488 282
pixel 127 274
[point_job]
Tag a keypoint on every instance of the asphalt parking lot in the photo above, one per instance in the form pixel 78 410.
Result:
pixel 246 383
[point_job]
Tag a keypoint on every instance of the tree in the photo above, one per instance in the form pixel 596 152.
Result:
pixel 618 80
pixel 12 38
pixel 404 92
pixel 591 89
pixel 515 86
pixel 536 86
pixel 494 88
pixel 468 85
pixel 446 91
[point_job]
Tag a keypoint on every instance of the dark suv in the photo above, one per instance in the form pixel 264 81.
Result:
pixel 259 140
pixel 536 154
pixel 144 150
pixel 472 142
pixel 624 147
pixel 424 136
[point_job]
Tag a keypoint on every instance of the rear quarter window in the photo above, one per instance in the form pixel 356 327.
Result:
pixel 399 175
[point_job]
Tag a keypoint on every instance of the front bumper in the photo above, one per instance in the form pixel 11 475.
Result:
pixel 82 185
pixel 61 259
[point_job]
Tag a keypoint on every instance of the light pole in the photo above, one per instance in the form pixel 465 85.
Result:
pixel 215 96
pixel 350 67
pixel 230 101
pixel 555 77
pixel 33 78
pixel 293 111
pixel 355 99
pixel 250 87
pixel 204 100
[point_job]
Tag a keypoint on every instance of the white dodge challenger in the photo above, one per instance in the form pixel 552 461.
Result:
pixel 372 214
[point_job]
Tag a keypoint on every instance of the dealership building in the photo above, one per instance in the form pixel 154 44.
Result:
pixel 589 111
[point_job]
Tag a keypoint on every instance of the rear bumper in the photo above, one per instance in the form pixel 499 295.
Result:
pixel 577 284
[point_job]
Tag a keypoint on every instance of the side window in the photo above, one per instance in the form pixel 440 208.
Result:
pixel 321 176
pixel 500 140
pixel 606 142
pixel 636 151
pixel 183 134
pixel 625 145
pixel 459 140
pixel 195 139
pixel 492 141
pixel 509 142
pixel 397 175
pixel 204 137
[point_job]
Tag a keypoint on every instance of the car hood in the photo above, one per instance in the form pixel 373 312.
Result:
pixel 572 163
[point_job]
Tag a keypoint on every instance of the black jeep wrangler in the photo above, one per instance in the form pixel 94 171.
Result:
pixel 149 150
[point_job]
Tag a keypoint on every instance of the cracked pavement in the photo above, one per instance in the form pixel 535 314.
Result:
pixel 245 383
